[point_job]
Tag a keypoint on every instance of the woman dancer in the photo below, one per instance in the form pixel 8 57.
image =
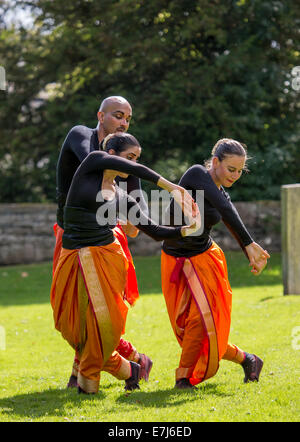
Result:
pixel 194 273
pixel 114 115
pixel 90 277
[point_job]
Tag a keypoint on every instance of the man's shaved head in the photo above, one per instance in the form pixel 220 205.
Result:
pixel 114 115
pixel 113 101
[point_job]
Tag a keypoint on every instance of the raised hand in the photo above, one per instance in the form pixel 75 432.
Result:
pixel 186 202
pixel 182 198
pixel 195 224
pixel 129 229
pixel 259 266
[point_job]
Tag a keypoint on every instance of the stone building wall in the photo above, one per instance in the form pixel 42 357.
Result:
pixel 26 231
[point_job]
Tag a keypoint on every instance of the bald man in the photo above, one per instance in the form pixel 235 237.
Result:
pixel 114 115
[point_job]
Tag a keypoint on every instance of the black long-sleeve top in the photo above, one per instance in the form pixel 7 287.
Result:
pixel 217 207
pixel 89 219
pixel 81 141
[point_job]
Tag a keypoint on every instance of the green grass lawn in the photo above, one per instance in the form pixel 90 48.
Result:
pixel 36 363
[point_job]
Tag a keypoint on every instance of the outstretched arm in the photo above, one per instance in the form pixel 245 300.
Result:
pixel 199 178
pixel 141 221
pixel 99 160
pixel 257 258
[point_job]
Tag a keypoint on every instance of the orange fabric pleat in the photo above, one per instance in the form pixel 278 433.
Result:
pixel 131 289
pixel 125 348
pixel 198 298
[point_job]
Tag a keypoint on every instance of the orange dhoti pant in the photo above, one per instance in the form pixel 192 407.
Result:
pixel 131 292
pixel 88 308
pixel 198 297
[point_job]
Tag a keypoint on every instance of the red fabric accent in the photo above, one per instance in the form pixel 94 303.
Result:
pixel 177 270
pixel 125 348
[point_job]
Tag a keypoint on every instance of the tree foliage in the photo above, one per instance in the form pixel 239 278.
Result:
pixel 194 72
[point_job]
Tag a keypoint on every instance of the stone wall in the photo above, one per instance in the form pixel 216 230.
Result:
pixel 26 233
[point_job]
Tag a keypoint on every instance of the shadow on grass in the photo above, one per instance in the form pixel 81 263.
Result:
pixel 172 397
pixel 45 403
pixel 51 403
pixel 267 298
